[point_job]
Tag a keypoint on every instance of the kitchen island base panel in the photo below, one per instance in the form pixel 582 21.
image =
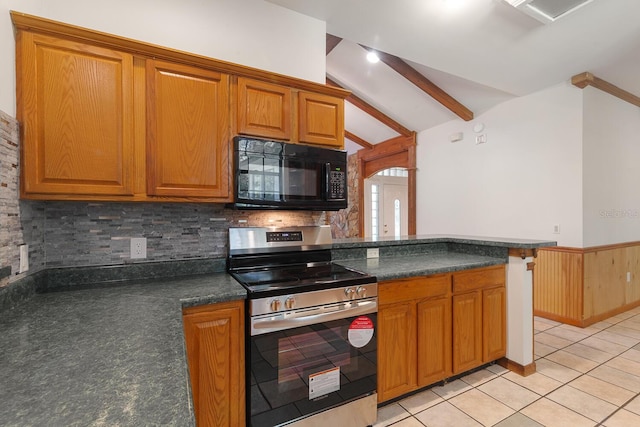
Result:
pixel 519 369
pixel 520 311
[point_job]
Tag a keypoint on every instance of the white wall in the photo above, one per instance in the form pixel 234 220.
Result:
pixel 523 180
pixel 611 169
pixel 248 32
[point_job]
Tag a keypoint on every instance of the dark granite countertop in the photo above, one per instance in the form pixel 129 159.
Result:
pixel 107 355
pixel 398 267
pixel 357 242
pixel 113 354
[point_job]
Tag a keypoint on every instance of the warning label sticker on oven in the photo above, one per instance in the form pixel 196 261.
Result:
pixel 323 383
pixel 360 331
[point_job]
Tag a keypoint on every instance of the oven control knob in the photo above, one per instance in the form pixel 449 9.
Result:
pixel 289 303
pixel 361 291
pixel 275 305
pixel 348 292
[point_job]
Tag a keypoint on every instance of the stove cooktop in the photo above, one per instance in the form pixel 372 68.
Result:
pixel 281 280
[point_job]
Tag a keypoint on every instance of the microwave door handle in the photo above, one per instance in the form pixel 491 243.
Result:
pixel 270 325
pixel 327 181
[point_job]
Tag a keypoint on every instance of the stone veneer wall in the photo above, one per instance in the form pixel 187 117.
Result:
pixel 20 222
pixel 72 234
pixel 344 223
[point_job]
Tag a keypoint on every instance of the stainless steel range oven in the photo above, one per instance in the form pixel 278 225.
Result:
pixel 311 329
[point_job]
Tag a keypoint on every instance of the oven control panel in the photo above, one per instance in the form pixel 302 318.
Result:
pixel 303 300
pixel 284 236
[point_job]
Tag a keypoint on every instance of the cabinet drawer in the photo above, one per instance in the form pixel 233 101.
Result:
pixel 479 278
pixel 414 288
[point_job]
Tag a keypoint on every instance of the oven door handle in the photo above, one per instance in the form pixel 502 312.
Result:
pixel 271 324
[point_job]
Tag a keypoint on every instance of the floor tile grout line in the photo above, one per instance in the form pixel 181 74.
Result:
pixel 581 374
pixel 619 409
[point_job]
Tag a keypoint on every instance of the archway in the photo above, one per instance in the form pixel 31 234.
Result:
pixel 397 152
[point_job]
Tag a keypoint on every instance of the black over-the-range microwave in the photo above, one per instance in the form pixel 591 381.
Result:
pixel 281 175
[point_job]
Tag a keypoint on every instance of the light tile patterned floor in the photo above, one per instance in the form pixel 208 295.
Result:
pixel 585 377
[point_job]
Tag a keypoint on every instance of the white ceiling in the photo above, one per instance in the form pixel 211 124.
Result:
pixel 482 52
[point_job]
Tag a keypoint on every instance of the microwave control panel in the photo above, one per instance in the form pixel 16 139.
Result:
pixel 337 184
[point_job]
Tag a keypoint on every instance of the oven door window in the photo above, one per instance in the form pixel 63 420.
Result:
pixel 301 371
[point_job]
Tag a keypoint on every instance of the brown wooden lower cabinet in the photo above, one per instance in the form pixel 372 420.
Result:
pixel 494 323
pixel 397 340
pixel 434 340
pixel 214 336
pixel 433 327
pixel 467 331
pixel 479 317
pixel 414 340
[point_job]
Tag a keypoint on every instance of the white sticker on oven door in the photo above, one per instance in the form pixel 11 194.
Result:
pixel 360 331
pixel 323 383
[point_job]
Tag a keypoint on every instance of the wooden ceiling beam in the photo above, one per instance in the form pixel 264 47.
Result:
pixel 355 138
pixel 430 88
pixel 372 111
pixel 585 79
pixel 332 42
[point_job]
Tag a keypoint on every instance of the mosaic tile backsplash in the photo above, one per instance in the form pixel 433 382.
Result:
pixel 74 234
pixel 81 234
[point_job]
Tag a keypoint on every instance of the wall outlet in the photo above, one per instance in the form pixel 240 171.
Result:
pixel 628 277
pixel 138 247
pixel 556 228
pixel 24 258
pixel 373 252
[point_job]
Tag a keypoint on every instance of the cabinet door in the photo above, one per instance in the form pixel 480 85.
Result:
pixel 187 132
pixel 215 352
pixel 396 350
pixel 264 109
pixel 467 331
pixel 494 326
pixel 75 105
pixel 321 119
pixel 434 340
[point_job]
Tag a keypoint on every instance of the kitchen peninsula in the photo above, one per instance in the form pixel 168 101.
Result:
pixel 89 350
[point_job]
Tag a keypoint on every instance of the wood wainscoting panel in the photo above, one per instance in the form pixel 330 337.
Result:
pixel 558 285
pixel 584 286
pixel 607 289
pixel 632 294
pixel 603 271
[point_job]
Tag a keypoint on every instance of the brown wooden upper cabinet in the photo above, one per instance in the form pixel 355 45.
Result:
pixel 321 119
pixel 264 109
pixel 187 131
pixel 101 124
pixel 113 119
pixel 274 111
pixel 76 109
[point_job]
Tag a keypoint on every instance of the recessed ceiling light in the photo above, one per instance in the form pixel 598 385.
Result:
pixel 373 57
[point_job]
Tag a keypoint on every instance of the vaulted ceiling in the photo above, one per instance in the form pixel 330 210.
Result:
pixel 479 53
